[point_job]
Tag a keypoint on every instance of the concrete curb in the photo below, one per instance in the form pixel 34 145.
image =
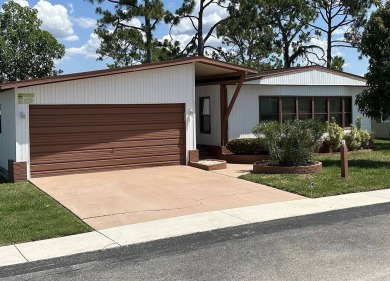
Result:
pixel 173 227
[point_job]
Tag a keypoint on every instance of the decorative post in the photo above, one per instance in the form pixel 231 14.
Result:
pixel 344 159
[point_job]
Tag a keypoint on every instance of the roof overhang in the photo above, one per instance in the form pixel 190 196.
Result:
pixel 206 71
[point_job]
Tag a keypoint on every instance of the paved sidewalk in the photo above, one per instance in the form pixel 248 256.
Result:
pixel 172 227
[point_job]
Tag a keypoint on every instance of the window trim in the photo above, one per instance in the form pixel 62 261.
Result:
pixel 313 113
pixel 201 115
pixel 1 121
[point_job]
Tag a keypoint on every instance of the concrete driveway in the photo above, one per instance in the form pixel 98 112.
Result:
pixel 109 199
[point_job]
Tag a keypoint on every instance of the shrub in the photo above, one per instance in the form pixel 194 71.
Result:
pixel 291 143
pixel 247 146
pixel 352 139
pixel 366 138
pixel 357 138
pixel 334 135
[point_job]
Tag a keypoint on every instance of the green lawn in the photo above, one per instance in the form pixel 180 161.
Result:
pixel 28 214
pixel 367 171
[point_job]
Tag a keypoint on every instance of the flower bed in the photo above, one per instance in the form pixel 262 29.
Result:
pixel 243 159
pixel 266 167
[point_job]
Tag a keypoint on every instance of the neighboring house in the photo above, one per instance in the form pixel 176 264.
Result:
pixel 283 94
pixel 130 117
pixel 381 128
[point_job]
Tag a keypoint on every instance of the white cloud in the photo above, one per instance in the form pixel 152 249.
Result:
pixel 23 3
pixel 55 19
pixel 85 22
pixel 88 50
pixel 70 5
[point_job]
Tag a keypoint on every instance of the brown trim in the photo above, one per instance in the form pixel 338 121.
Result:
pixel 328 108
pixel 280 110
pixel 287 71
pixel 296 108
pixel 313 112
pixel 234 98
pixel 106 72
pixel 343 111
pixel 223 106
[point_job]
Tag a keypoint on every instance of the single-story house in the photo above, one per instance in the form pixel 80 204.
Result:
pixel 381 128
pixel 130 117
pixel 156 114
pixel 282 94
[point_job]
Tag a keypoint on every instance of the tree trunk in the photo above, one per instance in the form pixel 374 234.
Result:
pixel 200 50
pixel 148 33
pixel 329 41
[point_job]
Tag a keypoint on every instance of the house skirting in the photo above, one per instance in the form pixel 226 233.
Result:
pixel 17 171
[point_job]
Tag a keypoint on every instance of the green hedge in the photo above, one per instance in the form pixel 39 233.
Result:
pixel 247 146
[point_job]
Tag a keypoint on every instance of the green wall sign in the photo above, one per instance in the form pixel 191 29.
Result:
pixel 24 98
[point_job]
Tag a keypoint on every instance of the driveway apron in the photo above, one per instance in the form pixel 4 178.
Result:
pixel 109 199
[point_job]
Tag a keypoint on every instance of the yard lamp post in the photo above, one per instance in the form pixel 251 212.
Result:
pixel 344 159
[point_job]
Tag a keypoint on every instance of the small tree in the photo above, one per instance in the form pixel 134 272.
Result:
pixel 374 101
pixel 26 51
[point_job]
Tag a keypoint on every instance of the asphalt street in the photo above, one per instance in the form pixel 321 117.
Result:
pixel 351 244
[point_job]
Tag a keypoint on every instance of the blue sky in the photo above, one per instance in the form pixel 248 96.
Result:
pixel 72 23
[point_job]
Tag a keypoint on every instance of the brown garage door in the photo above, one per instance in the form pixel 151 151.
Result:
pixel 66 139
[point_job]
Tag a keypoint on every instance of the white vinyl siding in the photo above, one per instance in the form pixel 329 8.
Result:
pixel 7 136
pixel 174 84
pixel 245 113
pixel 214 138
pixel 310 77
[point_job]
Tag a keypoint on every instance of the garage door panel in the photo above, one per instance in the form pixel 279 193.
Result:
pixel 94 138
pixel 67 139
pixel 95 110
pixel 101 120
pixel 107 128
pixel 107 163
pixel 71 156
pixel 53 149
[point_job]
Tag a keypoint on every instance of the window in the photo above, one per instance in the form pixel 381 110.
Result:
pixel 288 109
pixel 305 108
pixel 321 108
pixel 347 112
pixel 269 109
pixel 205 120
pixel 336 109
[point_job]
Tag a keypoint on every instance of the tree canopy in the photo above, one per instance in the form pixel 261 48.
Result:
pixel 126 41
pixel 26 51
pixel 375 44
pixel 340 16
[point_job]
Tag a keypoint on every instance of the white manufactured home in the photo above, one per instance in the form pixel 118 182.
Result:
pixel 156 114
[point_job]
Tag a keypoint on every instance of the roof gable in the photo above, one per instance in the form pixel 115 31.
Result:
pixel 311 75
